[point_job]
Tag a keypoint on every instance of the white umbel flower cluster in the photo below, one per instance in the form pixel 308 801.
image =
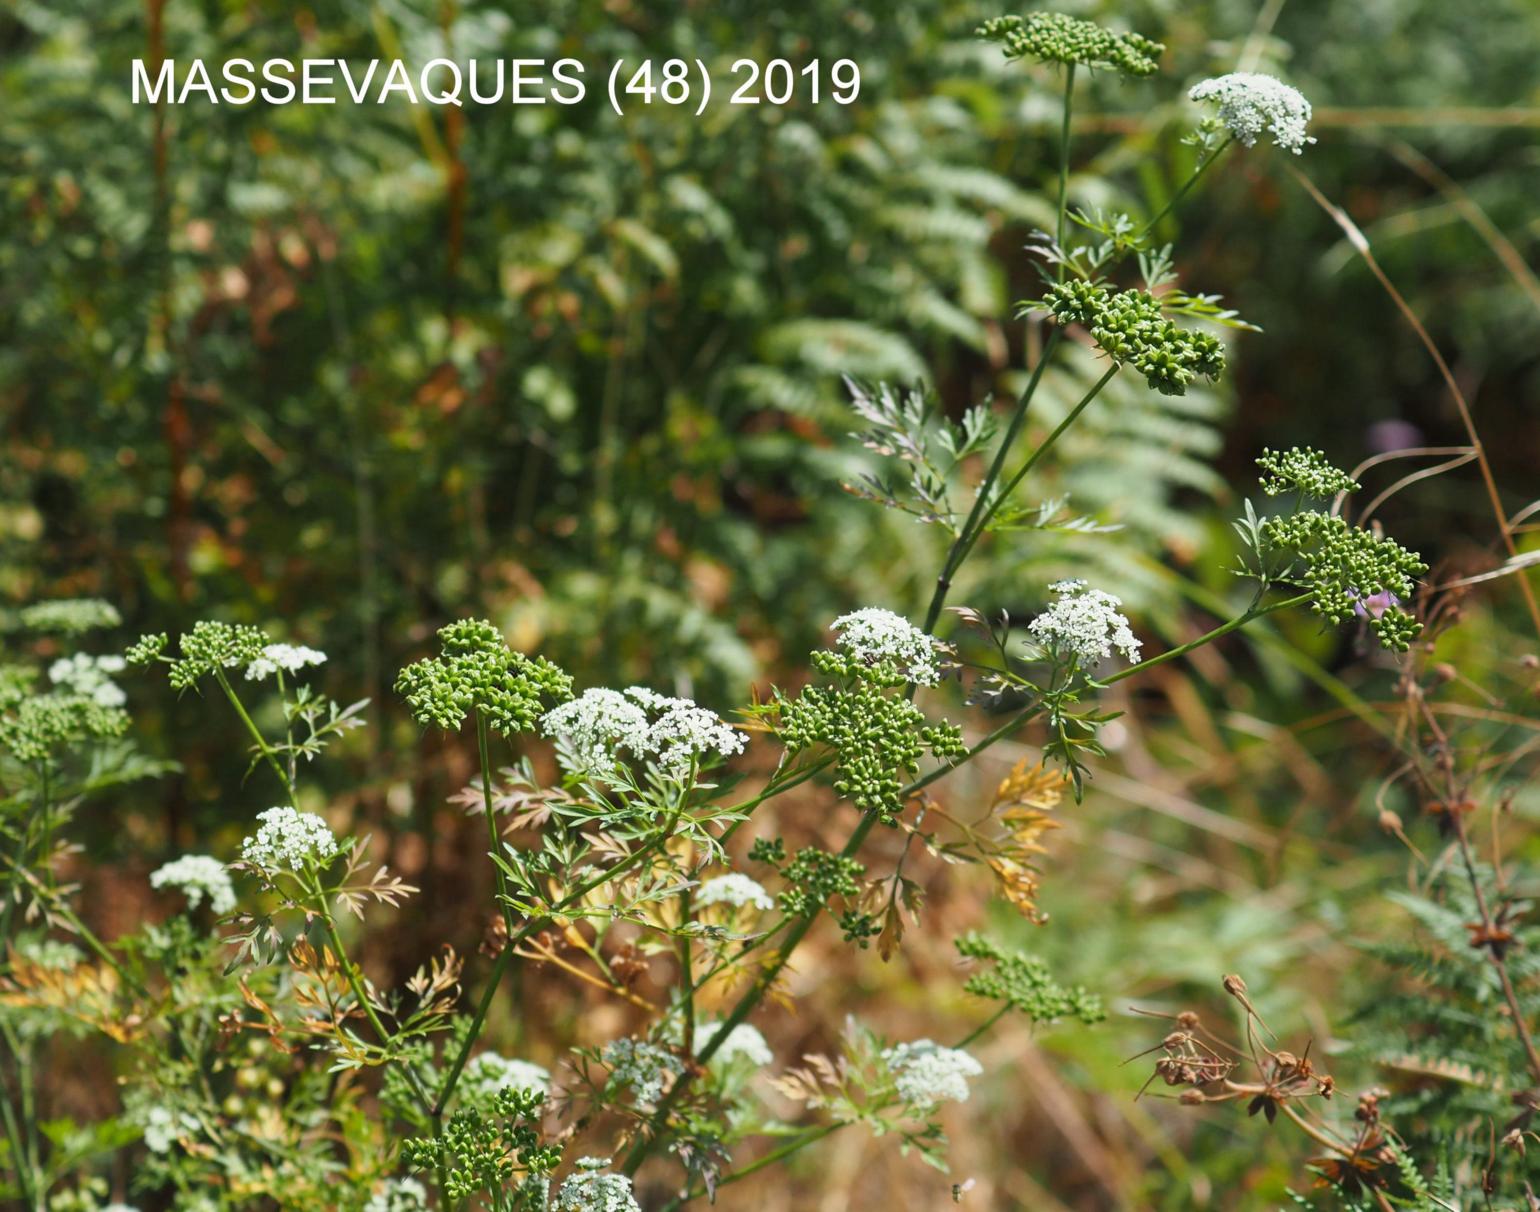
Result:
pixel 735 889
pixel 197 876
pixel 163 1127
pixel 592 1190
pixel 1085 624
pixel 594 726
pixel 926 1073
pixel 1250 103
pixel 743 1043
pixel 399 1195
pixel 599 725
pixel 90 676
pixel 289 841
pixel 880 637
pixel 488 1074
pixel 288 657
pixel 642 1066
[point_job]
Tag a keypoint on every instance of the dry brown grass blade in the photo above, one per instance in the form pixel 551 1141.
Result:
pixel 1360 242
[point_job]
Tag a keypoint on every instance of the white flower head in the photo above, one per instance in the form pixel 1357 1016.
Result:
pixel 926 1073
pixel 1250 103
pixel 1084 623
pixel 197 876
pixel 734 889
pixel 682 733
pixel 399 1195
pixel 594 726
pixel 90 676
pixel 288 657
pixel 642 1066
pixel 593 1190
pixel 288 840
pixel 163 1127
pixel 489 1074
pixel 880 637
pixel 599 726
pixel 743 1043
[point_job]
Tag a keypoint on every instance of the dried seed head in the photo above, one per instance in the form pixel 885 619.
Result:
pixel 1192 1098
pixel 1234 986
pixel 1390 822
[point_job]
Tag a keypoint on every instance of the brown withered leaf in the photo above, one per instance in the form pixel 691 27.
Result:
pixel 87 993
pixel 813 1084
pixel 1023 802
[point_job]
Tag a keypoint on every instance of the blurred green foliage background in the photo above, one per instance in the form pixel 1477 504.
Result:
pixel 349 372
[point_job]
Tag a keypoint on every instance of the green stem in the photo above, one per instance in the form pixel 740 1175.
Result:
pixel 1047 443
pixel 1069 91
pixel 262 746
pixel 1203 167
pixel 505 956
pixel 982 1027
pixel 686 980
pixel 483 754
pixel 963 541
pixel 745 1004
pixel 21 1136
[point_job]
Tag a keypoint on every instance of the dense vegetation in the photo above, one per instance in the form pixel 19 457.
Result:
pixel 662 399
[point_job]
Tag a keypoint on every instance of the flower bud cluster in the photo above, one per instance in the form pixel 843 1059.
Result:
pixel 69 616
pixel 1129 327
pixel 1303 470
pixel 209 646
pixel 1057 38
pixel 479 672
pixel 877 737
pixel 1343 565
pixel 37 725
pixel 1024 984
pixel 815 877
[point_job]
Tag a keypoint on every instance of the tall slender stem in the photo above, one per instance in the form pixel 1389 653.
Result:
pixel 484 756
pixel 263 747
pixel 505 956
pixel 1181 192
pixel 1069 93
pixel 986 488
pixel 1047 444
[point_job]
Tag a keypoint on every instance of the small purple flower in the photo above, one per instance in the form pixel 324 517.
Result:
pixel 1375 605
